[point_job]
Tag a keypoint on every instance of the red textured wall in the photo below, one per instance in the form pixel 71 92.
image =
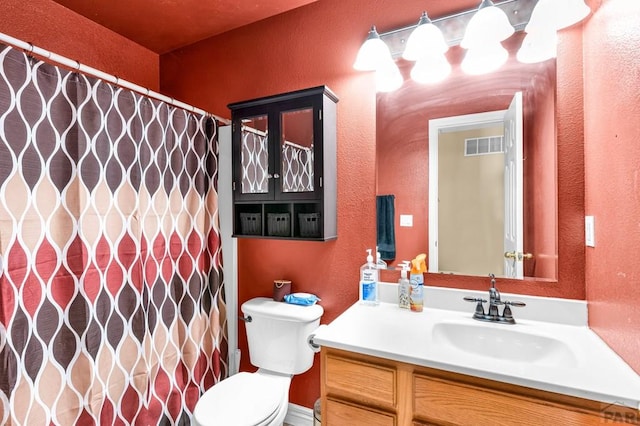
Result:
pixel 50 26
pixel 316 45
pixel 612 163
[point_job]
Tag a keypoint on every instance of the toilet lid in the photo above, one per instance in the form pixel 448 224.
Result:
pixel 242 399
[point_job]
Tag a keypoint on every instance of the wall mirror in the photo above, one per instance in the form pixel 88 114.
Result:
pixel 403 155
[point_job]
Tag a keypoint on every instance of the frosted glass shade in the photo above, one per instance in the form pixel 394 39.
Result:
pixel 373 53
pixel 488 25
pixel 570 12
pixel 425 39
pixel 538 46
pixel 431 69
pixel 484 59
pixel 388 77
pixel 556 14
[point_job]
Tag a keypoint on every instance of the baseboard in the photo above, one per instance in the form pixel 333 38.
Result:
pixel 297 415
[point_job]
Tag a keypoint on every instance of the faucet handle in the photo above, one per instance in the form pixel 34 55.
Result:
pixel 506 313
pixel 479 307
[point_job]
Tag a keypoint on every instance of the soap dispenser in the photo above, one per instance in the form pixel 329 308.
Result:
pixel 368 287
pixel 380 264
pixel 404 286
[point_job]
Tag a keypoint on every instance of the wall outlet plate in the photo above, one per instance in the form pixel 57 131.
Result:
pixel 590 231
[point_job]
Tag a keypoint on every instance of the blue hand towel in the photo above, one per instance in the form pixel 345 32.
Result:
pixel 385 213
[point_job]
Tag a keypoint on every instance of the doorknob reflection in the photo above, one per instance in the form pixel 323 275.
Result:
pixel 517 256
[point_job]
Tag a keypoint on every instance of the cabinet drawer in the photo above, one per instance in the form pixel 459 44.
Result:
pixel 364 383
pixel 341 414
pixel 443 402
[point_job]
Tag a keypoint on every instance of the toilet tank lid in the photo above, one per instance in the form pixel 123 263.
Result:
pixel 268 307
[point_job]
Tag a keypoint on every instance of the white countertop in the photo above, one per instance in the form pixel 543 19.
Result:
pixel 387 331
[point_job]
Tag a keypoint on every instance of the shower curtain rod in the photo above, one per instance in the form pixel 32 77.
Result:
pixel 73 64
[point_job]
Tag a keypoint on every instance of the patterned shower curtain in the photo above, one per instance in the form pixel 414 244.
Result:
pixel 111 296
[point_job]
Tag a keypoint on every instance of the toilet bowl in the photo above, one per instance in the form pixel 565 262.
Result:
pixel 277 335
pixel 245 399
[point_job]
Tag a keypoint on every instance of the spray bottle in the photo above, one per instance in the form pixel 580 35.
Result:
pixel 404 285
pixel 418 268
pixel 368 287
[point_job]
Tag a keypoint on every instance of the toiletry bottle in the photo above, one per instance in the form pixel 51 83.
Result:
pixel 380 264
pixel 418 268
pixel 404 286
pixel 369 282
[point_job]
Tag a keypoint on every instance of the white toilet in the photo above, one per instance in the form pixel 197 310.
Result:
pixel 277 336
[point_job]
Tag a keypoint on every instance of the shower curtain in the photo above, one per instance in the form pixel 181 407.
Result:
pixel 111 292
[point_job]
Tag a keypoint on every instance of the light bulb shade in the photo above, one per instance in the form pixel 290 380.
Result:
pixel 431 69
pixel 538 46
pixel 424 40
pixel 488 25
pixel 388 77
pixel 543 17
pixel 570 12
pixel 484 59
pixel 372 53
pixel 556 14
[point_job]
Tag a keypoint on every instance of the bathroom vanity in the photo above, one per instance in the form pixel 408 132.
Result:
pixel 386 366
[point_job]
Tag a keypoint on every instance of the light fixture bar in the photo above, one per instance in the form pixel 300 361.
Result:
pixel 453 26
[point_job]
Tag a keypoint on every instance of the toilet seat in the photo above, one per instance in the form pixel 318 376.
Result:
pixel 247 399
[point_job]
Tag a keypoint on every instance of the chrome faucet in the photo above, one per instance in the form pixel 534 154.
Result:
pixel 494 301
pixel 494 297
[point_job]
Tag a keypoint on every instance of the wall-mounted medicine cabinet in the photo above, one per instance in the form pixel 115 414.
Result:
pixel 284 166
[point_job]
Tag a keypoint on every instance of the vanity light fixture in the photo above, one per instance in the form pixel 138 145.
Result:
pixel 426 39
pixel 488 25
pixel 547 17
pixel 372 53
pixel 540 43
pixel 538 46
pixel 388 76
pixel 480 31
pixel 485 58
pixel 569 12
pixel 426 46
pixel 431 69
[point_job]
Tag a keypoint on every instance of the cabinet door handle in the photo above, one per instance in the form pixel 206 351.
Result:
pixel 276 175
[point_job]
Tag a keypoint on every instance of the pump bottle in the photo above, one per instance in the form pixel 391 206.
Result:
pixel 404 286
pixel 368 287
pixel 380 264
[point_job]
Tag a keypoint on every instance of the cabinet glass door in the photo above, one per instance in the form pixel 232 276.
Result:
pixel 296 150
pixel 255 155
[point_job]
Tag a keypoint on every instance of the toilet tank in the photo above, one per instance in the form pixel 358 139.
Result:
pixel 277 334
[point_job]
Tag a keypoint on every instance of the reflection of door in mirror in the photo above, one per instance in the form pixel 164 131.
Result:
pixel 296 144
pixel 469 192
pixel 513 207
pixel 255 155
pixel 476 224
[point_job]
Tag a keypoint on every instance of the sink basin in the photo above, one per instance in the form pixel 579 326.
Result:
pixel 499 342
